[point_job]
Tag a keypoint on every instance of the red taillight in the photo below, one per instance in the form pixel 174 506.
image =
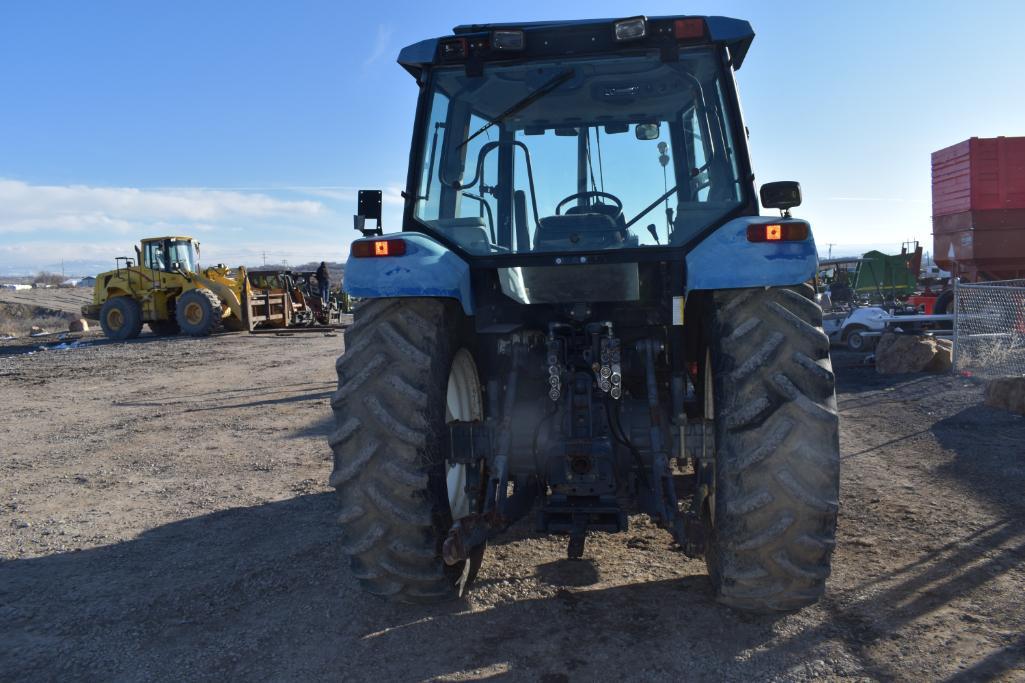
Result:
pixel 777 232
pixel 371 248
pixel 689 29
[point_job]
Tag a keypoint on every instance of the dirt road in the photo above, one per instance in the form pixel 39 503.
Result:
pixel 164 515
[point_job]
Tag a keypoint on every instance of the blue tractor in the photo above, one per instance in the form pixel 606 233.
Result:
pixel 585 317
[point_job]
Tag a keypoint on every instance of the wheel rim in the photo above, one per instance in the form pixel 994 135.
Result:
pixel 855 341
pixel 462 403
pixel 193 313
pixel 114 319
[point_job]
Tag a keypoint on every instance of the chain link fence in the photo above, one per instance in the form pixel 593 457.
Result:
pixel 989 328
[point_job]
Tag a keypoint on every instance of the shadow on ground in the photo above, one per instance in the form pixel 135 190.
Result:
pixel 263 593
pixel 989 454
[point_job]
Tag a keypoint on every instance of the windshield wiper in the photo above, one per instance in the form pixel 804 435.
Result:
pixel 530 99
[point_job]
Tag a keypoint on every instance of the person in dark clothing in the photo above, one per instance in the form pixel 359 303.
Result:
pixel 324 280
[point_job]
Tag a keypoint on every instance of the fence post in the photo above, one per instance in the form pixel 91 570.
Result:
pixel 953 351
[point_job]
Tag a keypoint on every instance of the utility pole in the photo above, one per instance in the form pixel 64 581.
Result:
pixel 265 258
pixel 830 245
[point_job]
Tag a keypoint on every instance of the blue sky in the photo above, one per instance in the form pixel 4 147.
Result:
pixel 251 124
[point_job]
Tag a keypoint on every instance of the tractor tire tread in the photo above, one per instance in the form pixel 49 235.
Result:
pixel 777 437
pixel 386 471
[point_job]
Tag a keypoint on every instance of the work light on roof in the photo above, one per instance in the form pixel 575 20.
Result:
pixel 507 40
pixel 634 28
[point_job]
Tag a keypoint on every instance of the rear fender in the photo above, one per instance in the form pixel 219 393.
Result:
pixel 427 269
pixel 727 260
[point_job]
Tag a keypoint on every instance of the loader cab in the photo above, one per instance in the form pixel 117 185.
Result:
pixel 163 253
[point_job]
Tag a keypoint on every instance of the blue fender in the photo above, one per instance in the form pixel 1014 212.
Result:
pixel 727 260
pixel 427 269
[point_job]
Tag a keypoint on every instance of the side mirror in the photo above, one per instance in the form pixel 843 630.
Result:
pixel 783 195
pixel 369 207
pixel 646 131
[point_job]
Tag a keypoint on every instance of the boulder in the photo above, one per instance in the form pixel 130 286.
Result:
pixel 903 353
pixel 943 360
pixel 80 325
pixel 1006 393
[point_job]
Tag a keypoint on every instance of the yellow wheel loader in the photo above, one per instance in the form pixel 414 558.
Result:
pixel 165 288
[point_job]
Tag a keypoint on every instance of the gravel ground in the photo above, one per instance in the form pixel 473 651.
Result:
pixel 164 516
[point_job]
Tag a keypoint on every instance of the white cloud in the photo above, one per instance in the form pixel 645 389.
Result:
pixel 391 194
pixel 382 42
pixel 28 208
pixel 43 225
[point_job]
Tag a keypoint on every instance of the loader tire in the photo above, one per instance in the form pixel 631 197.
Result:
pixel 121 318
pixel 389 471
pixel 198 312
pixel 773 529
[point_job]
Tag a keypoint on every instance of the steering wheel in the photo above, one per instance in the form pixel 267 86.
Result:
pixel 590 193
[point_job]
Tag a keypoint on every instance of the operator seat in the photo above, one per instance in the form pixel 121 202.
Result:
pixel 610 210
pixel 595 226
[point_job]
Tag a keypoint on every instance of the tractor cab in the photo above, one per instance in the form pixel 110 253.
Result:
pixel 530 143
pixel 170 254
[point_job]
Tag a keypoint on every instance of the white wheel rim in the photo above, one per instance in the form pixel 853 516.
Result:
pixel 462 403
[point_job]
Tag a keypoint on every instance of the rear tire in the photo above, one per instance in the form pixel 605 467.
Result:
pixel 121 318
pixel 390 474
pixel 198 312
pixel 777 450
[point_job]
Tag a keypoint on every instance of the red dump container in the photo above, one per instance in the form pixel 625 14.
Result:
pixel 978 207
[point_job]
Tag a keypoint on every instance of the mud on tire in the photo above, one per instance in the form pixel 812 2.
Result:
pixel 388 469
pixel 777 442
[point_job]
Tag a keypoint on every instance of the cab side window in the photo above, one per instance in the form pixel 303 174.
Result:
pixel 155 257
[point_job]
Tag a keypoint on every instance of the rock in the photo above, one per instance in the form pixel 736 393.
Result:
pixel 1006 393
pixel 903 353
pixel 36 329
pixel 942 361
pixel 80 325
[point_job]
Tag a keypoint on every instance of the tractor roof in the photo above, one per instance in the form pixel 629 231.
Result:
pixel 167 237
pixel 579 37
